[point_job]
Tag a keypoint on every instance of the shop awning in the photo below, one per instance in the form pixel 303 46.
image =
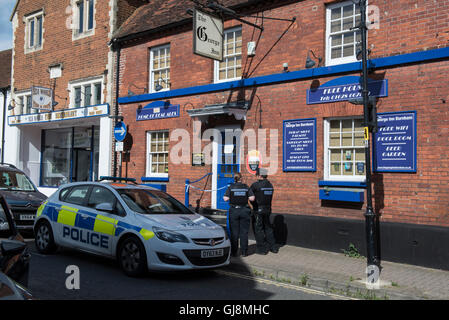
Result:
pixel 237 109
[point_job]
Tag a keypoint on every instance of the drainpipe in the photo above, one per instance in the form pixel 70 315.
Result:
pixel 4 91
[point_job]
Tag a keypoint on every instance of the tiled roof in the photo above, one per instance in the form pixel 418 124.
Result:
pixel 160 13
pixel 5 68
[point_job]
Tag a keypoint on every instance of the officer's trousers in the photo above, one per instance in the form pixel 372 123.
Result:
pixel 263 231
pixel 239 222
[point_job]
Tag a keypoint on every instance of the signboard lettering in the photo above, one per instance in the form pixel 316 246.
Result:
pixel 299 145
pixel 395 142
pixel 207 35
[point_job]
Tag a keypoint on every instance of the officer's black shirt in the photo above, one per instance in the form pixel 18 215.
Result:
pixel 263 190
pixel 238 194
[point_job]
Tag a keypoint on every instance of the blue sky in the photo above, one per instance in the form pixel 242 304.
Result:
pixel 6 7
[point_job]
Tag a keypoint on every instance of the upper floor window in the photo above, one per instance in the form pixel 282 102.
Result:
pixel 231 66
pixel 84 18
pixel 160 68
pixel 24 103
pixel 34 31
pixel 87 93
pixel 342 42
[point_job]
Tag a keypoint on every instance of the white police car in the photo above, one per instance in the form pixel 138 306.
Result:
pixel 139 226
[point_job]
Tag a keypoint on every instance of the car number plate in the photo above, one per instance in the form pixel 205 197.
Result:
pixel 211 253
pixel 27 217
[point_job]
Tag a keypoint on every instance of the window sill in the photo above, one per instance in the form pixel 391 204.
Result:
pixel 34 49
pixel 346 191
pixel 78 36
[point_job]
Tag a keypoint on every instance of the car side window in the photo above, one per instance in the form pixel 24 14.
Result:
pixel 100 195
pixel 77 195
pixel 63 193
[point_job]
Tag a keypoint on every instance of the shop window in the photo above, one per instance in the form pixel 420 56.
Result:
pixel 84 18
pixel 34 32
pixel 86 94
pixel 342 43
pixel 69 155
pixel 157 154
pixel 160 68
pixel 345 149
pixel 231 66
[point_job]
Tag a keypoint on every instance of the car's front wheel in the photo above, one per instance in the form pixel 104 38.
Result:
pixel 132 257
pixel 43 237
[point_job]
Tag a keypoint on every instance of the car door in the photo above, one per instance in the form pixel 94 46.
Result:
pixel 103 204
pixel 66 229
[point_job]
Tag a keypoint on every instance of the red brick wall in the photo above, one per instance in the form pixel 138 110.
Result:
pixel 405 26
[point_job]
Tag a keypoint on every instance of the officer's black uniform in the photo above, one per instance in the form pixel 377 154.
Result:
pixel 263 231
pixel 239 216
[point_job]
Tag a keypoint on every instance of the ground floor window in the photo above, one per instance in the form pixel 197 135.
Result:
pixel 157 153
pixel 69 155
pixel 344 149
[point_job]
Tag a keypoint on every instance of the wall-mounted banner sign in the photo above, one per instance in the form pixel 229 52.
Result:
pixel 299 145
pixel 207 35
pixel 394 145
pixel 253 161
pixel 42 98
pixel 158 110
pixel 345 88
pixel 100 110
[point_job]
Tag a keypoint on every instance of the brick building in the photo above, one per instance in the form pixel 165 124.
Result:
pixel 314 135
pixel 62 88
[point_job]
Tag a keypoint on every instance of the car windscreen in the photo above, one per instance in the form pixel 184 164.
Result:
pixel 15 181
pixel 152 202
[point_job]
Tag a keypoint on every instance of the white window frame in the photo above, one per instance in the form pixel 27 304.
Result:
pixel 152 80
pixel 36 33
pixel 149 163
pixel 327 148
pixel 26 96
pixel 83 84
pixel 225 56
pixel 76 19
pixel 336 61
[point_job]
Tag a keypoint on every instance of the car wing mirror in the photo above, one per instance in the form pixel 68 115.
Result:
pixel 106 207
pixel 12 247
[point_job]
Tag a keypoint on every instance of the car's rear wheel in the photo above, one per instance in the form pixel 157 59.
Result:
pixel 132 257
pixel 43 237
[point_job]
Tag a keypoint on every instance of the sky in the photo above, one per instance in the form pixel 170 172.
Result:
pixel 6 7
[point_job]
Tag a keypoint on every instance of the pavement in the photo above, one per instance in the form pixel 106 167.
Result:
pixel 341 274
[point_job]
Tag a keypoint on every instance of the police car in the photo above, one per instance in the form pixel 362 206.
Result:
pixel 142 227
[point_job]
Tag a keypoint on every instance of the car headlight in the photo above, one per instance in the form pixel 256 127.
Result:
pixel 169 236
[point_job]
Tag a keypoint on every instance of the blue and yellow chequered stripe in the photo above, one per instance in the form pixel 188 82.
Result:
pixel 87 220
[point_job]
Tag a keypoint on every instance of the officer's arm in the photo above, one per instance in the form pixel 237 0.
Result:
pixel 251 196
pixel 226 195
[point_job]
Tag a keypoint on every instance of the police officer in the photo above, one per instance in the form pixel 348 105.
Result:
pixel 238 195
pixel 263 231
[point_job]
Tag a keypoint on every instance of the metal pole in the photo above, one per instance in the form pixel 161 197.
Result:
pixel 4 92
pixel 369 214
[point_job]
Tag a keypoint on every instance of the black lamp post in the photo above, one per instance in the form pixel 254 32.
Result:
pixel 370 216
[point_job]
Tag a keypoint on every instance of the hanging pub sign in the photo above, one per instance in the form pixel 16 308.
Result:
pixel 394 145
pixel 157 110
pixel 346 88
pixel 253 161
pixel 207 35
pixel 299 145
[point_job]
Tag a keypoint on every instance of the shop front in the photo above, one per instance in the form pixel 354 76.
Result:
pixel 64 146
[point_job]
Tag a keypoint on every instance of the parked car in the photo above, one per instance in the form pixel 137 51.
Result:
pixel 21 195
pixel 142 227
pixel 14 257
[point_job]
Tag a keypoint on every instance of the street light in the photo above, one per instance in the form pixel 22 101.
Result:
pixel 370 216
